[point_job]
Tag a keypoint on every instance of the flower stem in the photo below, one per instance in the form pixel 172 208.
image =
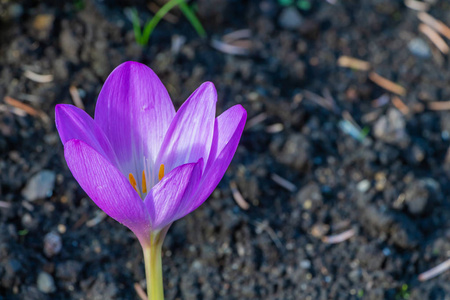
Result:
pixel 153 267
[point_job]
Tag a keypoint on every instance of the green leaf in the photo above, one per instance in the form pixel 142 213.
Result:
pixel 285 2
pixel 23 232
pixel 189 14
pixel 304 4
pixel 142 37
pixel 136 26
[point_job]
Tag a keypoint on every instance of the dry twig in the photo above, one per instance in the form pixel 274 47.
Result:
pixel 38 77
pixel 76 97
pixel 237 196
pixel 258 119
pixel 324 102
pixel 442 267
pixel 141 293
pixel 27 109
pixel 438 105
pixel 339 238
pixel 275 128
pixel 347 116
pixel 20 105
pixel 230 49
pixel 353 63
pixel 381 101
pixel 264 226
pixel 417 5
pixel 283 182
pixel 80 221
pixel 4 204
pixel 434 37
pixel 237 35
pixel 436 24
pixel 100 216
pixel 28 206
pixel 400 105
pixel 387 84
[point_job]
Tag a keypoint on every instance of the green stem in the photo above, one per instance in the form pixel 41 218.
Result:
pixel 153 267
pixel 148 29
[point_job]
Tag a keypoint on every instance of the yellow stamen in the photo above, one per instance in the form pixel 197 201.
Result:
pixel 161 172
pixel 133 183
pixel 144 183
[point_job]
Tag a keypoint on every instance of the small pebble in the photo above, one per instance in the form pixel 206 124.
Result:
pixel 391 128
pixel 43 22
pixel 305 264
pixel 290 18
pixel 363 186
pixel 45 283
pixel 52 244
pixel 62 228
pixel 40 185
pixel 419 48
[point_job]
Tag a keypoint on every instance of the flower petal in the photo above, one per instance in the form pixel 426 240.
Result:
pixel 107 187
pixel 75 123
pixel 191 132
pixel 225 128
pixel 134 110
pixel 169 196
pixel 228 131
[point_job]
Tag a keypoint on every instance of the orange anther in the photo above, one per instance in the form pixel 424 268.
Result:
pixel 132 181
pixel 161 172
pixel 144 183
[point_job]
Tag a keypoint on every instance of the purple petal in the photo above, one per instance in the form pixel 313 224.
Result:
pixel 107 187
pixel 228 131
pixel 75 123
pixel 170 195
pixel 190 134
pixel 134 110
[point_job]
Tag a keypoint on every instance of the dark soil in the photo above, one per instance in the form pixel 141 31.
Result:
pixel 391 186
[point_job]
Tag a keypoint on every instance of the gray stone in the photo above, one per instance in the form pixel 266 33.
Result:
pixel 290 18
pixel 419 48
pixel 363 186
pixel 419 195
pixel 52 244
pixel 391 128
pixel 45 283
pixel 40 185
pixel 305 264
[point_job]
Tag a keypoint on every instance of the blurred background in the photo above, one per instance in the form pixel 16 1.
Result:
pixel 338 189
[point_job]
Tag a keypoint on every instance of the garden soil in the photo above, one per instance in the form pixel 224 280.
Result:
pixel 338 190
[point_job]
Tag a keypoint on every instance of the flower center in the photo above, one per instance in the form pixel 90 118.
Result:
pixel 144 180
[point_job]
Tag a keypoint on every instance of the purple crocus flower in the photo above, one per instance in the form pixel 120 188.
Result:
pixel 141 162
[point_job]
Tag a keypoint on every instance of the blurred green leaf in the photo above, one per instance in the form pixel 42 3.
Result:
pixel 304 4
